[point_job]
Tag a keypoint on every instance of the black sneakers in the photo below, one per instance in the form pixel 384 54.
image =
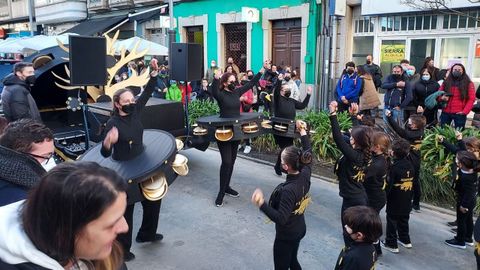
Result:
pixel 452 223
pixel 128 256
pixel 157 237
pixel 219 200
pixel 393 249
pixel 455 243
pixel 231 192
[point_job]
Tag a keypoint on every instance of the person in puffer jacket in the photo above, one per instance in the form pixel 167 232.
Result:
pixel 348 87
pixel 460 96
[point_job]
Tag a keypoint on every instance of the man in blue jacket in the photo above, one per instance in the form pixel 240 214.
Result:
pixel 348 87
pixel 398 94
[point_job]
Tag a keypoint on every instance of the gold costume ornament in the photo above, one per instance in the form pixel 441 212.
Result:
pixel 109 89
pixel 303 204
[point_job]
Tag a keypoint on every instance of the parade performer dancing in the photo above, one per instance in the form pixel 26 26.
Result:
pixel 228 95
pixel 286 107
pixel 288 202
pixel 124 135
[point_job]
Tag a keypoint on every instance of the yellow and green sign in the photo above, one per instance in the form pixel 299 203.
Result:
pixel 392 53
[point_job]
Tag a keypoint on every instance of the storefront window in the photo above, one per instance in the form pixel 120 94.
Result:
pixel 419 50
pixel 363 47
pixel 392 52
pixel 453 50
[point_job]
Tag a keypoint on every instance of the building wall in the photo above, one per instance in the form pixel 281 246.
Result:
pixel 206 13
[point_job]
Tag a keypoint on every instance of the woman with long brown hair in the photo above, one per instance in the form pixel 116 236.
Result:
pixel 68 222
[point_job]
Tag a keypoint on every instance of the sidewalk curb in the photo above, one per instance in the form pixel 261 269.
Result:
pixel 334 181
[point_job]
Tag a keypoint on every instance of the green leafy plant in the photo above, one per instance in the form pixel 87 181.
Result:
pixel 265 143
pixel 200 108
pixel 323 145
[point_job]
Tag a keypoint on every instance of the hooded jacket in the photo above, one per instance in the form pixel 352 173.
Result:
pixel 17 101
pixel 369 98
pixel 16 249
pixel 19 173
pixel 349 86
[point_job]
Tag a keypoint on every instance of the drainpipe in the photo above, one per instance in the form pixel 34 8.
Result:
pixel 31 9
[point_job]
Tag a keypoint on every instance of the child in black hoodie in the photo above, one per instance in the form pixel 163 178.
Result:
pixel 466 189
pixel 352 167
pixel 288 202
pixel 364 226
pixel 399 198
pixel 414 134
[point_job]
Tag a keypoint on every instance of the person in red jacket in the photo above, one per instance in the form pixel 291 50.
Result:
pixel 460 96
pixel 186 90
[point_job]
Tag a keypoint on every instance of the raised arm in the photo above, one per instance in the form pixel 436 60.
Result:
pixel 302 105
pixel 400 131
pixel 147 93
pixel 243 89
pixel 342 145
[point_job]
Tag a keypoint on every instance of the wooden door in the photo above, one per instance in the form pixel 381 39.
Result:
pixel 287 38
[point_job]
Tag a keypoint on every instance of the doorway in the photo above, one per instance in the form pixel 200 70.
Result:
pixel 195 35
pixel 236 44
pixel 419 50
pixel 286 43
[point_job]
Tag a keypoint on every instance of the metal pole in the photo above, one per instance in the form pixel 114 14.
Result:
pixel 31 8
pixel 171 31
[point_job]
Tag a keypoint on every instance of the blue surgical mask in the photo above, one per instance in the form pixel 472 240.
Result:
pixel 173 82
pixel 426 77
pixel 410 72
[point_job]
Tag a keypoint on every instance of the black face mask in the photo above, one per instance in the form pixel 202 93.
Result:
pixel 231 86
pixel 128 108
pixel 397 76
pixel 30 79
pixel 369 62
pixel 287 79
pixel 350 71
pixel 250 77
pixel 287 93
pixel 456 74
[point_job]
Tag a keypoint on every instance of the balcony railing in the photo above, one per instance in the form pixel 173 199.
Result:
pixel 45 11
pixel 96 5
pixel 120 3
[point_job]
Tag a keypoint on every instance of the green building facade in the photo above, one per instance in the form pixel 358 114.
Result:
pixel 286 32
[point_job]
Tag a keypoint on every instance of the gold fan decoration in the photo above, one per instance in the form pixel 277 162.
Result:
pixel 109 89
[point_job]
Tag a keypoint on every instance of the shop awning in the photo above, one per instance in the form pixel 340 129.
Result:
pixel 91 27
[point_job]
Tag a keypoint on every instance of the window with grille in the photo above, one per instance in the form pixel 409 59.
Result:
pixel 465 20
pixel 236 44
pixel 408 23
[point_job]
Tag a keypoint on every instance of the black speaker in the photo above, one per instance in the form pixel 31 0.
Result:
pixel 88 65
pixel 186 63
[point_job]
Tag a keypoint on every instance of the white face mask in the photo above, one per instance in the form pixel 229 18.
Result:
pixel 49 164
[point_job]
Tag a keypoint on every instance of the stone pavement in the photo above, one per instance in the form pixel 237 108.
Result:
pixel 200 236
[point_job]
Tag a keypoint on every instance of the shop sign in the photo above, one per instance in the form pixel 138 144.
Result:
pixel 477 49
pixel 392 53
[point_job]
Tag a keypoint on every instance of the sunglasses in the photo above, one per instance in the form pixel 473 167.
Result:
pixel 50 155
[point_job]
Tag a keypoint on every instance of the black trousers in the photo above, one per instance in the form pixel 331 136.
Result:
pixel 477 257
pixel 465 225
pixel 228 152
pixel 417 189
pixel 349 202
pixel 148 229
pixel 282 142
pixel 397 224
pixel 285 254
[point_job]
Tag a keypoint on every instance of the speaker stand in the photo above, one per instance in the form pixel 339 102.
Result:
pixel 85 122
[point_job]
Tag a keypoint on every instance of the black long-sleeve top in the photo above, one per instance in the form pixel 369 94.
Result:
pixel 287 107
pixel 413 136
pixel 130 128
pixel 460 146
pixel 399 189
pixel 358 256
pixel 422 89
pixel 466 188
pixel 229 101
pixel 375 181
pixel 350 168
pixel 288 201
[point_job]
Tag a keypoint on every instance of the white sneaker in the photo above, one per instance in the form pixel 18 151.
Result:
pixel 247 149
pixel 239 147
pixel 405 245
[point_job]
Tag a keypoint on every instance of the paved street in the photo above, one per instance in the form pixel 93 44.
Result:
pixel 199 235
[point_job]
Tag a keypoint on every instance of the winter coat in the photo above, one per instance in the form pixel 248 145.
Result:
pixel 17 101
pixel 174 93
pixel 369 98
pixel 455 104
pixel 19 173
pixel 349 87
pixel 376 73
pixel 395 96
pixel 422 89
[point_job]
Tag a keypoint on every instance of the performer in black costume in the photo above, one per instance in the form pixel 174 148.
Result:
pixel 228 96
pixel 124 135
pixel 288 202
pixel 286 107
